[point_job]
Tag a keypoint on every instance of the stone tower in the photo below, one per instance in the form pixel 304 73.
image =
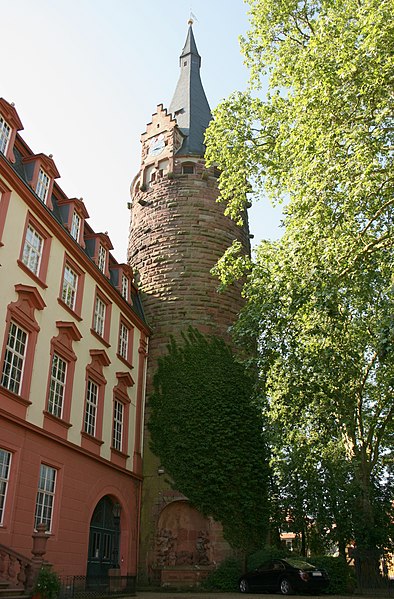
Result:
pixel 177 233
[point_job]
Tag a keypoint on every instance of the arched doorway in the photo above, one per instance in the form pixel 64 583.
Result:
pixel 104 538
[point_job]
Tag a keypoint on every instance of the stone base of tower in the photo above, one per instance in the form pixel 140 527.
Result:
pixel 183 576
pixel 179 546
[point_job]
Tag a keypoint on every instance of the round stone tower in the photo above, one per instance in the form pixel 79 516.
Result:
pixel 177 233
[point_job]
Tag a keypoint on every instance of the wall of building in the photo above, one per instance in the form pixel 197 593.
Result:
pixel 90 464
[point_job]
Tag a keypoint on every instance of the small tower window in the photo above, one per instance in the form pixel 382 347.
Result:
pixel 163 167
pixel 188 168
pixel 149 175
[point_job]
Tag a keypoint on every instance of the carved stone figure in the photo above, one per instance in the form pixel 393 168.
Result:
pixel 202 547
pixel 165 547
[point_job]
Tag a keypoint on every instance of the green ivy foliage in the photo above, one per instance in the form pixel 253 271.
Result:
pixel 207 430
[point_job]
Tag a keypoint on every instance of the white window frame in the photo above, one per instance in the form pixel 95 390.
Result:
pixel 125 287
pixel 57 386
pixel 45 496
pixel 75 226
pixel 5 469
pixel 5 134
pixel 102 257
pixel 99 316
pixel 69 286
pixel 91 408
pixel 32 250
pixel 14 358
pixel 124 333
pixel 42 186
pixel 118 424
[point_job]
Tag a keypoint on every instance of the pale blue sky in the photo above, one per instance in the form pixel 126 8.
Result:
pixel 86 76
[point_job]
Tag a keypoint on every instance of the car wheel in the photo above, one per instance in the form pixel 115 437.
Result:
pixel 243 586
pixel 285 587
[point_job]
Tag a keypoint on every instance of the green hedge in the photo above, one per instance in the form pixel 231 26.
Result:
pixel 225 577
pixel 341 575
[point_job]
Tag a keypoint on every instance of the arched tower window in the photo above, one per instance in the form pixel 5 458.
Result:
pixel 149 175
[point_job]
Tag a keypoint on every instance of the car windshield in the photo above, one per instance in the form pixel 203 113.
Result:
pixel 297 563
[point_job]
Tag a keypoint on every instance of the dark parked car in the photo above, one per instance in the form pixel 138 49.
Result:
pixel 284 575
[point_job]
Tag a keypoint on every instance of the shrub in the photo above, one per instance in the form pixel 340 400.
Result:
pixel 225 577
pixel 47 584
pixel 341 574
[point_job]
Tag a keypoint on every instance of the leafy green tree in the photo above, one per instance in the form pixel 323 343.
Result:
pixel 208 432
pixel 320 300
pixel 327 368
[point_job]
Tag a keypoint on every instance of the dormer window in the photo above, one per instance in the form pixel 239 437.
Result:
pixel 125 287
pixel 73 215
pixel 42 186
pixel 5 134
pixel 75 226
pixel 10 123
pixel 98 246
pixel 102 258
pixel 41 172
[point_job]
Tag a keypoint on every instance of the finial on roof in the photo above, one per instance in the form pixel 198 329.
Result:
pixel 192 18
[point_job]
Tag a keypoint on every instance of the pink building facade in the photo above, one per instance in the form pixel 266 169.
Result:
pixel 73 343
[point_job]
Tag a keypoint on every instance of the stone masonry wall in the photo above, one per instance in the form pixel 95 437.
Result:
pixel 178 232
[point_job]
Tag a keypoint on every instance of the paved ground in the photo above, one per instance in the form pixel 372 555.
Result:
pixel 200 595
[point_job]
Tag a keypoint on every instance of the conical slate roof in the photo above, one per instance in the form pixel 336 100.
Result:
pixel 189 105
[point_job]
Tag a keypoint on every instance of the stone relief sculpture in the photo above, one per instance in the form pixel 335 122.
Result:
pixel 165 547
pixel 202 548
pixel 169 554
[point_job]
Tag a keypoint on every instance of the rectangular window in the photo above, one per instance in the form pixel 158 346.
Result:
pixel 69 288
pixel 125 287
pixel 102 255
pixel 91 408
pixel 14 358
pixel 5 132
pixel 57 386
pixel 45 496
pixel 42 185
pixel 32 250
pixel 123 341
pixel 75 226
pixel 99 317
pixel 5 465
pixel 117 436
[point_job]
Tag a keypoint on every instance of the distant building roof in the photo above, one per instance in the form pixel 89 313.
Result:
pixel 189 104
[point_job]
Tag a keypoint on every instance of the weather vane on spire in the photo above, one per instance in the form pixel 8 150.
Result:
pixel 192 18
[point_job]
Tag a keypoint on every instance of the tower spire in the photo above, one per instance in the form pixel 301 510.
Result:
pixel 189 104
